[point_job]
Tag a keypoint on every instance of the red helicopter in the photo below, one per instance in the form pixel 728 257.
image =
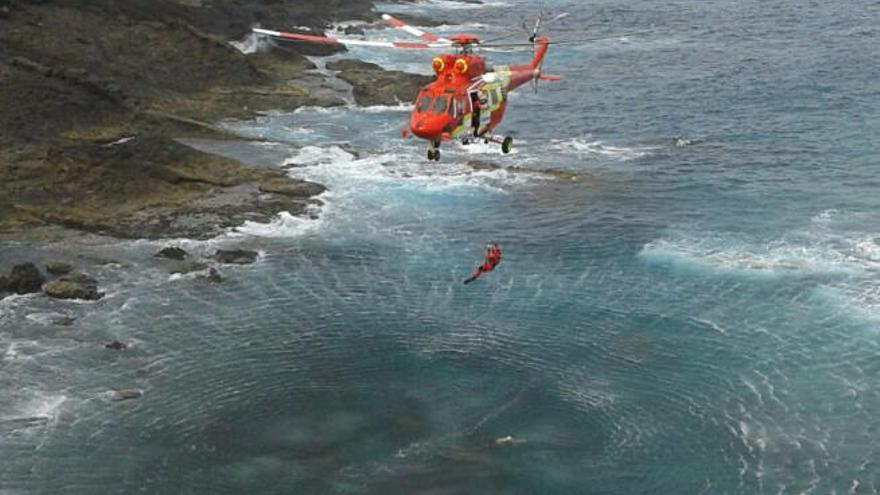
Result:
pixel 467 100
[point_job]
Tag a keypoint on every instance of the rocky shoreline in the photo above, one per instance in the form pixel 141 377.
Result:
pixel 96 93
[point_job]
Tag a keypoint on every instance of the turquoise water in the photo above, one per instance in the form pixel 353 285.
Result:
pixel 700 313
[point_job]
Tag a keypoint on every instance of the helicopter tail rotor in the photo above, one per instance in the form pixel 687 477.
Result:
pixel 540 47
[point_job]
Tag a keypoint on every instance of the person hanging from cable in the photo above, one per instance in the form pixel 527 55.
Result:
pixel 493 257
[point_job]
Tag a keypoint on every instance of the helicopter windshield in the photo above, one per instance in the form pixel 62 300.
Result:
pixel 424 103
pixel 440 103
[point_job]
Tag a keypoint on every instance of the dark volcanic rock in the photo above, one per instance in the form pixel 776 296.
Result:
pixel 24 279
pixel 116 346
pixel 481 165
pixel 88 117
pixel 77 286
pixel 172 252
pixel 235 256
pixel 214 276
pixel 375 86
pixel 58 267
pixel 292 187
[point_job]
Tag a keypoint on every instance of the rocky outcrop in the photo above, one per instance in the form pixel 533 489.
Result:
pixel 171 252
pixel 235 256
pixel 144 188
pixel 24 279
pixel 88 118
pixel 291 187
pixel 56 267
pixel 77 286
pixel 373 85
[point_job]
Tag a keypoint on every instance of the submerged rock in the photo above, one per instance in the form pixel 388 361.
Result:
pixel 188 266
pixel 77 286
pixel 127 393
pixel 172 252
pixel 116 346
pixel 63 320
pixel 25 279
pixel 569 175
pixel 25 422
pixel 214 276
pixel 235 256
pixel 56 267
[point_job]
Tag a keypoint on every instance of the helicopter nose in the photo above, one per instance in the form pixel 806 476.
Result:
pixel 426 127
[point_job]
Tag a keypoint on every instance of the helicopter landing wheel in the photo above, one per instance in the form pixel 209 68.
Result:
pixel 430 155
pixel 507 144
pixel 436 155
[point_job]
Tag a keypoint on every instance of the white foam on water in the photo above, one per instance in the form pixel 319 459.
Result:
pixel 847 261
pixel 861 300
pixel 453 5
pixel 343 109
pixel 283 225
pixel 40 407
pixel 598 148
pixel 44 318
pixel 730 255
pixel 317 155
pixel 346 174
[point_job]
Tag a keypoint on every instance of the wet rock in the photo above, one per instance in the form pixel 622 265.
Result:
pixel 26 422
pixel 128 393
pixel 25 279
pixel 483 165
pixel 3 284
pixel 116 346
pixel 76 286
pixel 373 85
pixel 567 175
pixel 172 252
pixel 292 187
pixel 56 267
pixel 214 276
pixel 188 266
pixel 235 256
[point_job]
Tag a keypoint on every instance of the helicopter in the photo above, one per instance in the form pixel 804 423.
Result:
pixel 468 98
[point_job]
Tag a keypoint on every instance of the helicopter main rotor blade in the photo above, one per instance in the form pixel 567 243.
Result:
pixel 397 23
pixel 350 42
pixel 525 28
pixel 561 42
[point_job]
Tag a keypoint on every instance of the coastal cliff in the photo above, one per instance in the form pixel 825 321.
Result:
pixel 94 94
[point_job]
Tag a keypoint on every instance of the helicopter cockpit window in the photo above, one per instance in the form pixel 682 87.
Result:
pixel 440 103
pixel 424 103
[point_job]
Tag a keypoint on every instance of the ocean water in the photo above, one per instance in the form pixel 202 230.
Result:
pixel 698 313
